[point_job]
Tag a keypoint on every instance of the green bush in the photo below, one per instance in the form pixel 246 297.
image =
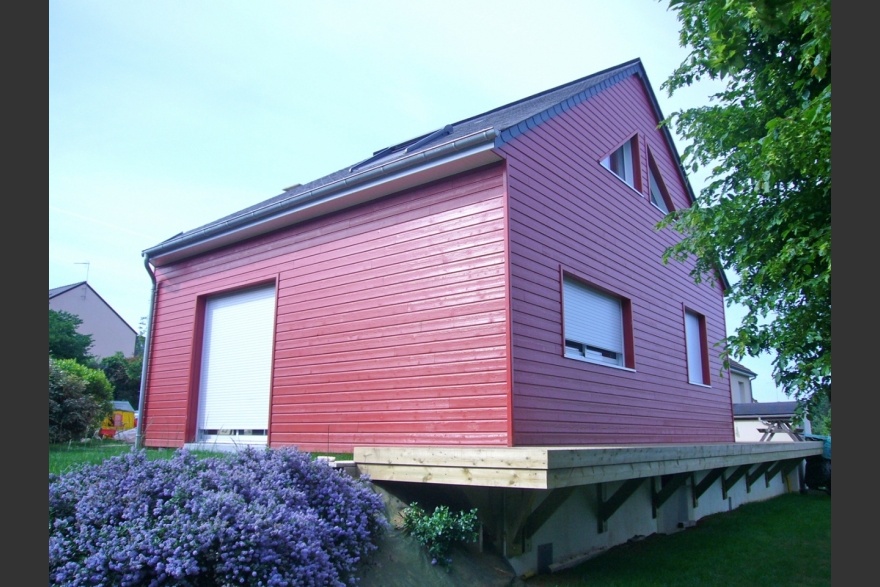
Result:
pixel 439 531
pixel 124 374
pixel 64 340
pixel 79 400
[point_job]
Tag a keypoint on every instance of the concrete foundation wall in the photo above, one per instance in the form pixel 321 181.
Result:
pixel 571 534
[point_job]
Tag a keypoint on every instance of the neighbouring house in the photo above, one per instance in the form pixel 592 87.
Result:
pixel 769 422
pixel 761 421
pixel 110 333
pixel 495 282
pixel 741 383
pixel 481 315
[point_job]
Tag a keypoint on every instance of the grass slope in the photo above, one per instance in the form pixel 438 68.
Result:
pixel 781 541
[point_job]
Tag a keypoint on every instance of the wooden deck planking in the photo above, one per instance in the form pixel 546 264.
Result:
pixel 556 467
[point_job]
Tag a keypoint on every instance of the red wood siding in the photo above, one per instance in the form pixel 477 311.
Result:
pixel 391 323
pixel 568 212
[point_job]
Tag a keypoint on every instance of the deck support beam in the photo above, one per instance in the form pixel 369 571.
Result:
pixel 540 515
pixel 669 485
pixel 728 482
pixel 761 469
pixel 516 510
pixel 785 467
pixel 700 488
pixel 611 505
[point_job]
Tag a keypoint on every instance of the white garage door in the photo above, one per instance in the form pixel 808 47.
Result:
pixel 237 367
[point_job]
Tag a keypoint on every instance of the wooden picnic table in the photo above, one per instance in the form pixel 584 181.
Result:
pixel 773 426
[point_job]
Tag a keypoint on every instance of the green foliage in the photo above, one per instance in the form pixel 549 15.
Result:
pixel 141 338
pixel 79 400
pixel 820 417
pixel 439 531
pixel 97 384
pixel 124 375
pixel 765 212
pixel 64 341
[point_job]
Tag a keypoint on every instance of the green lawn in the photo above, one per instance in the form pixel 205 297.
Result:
pixel 62 457
pixel 784 541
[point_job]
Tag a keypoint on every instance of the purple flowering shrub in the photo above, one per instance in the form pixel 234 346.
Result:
pixel 268 517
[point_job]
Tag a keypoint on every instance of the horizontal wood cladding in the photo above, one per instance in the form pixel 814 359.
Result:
pixel 391 322
pixel 567 212
pixel 342 436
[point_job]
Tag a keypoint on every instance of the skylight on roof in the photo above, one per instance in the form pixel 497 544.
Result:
pixel 406 146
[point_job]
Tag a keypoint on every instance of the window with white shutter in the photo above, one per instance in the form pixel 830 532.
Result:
pixel 697 357
pixel 593 324
pixel 236 367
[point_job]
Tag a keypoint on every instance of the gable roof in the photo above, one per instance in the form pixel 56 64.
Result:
pixel 57 291
pixel 740 368
pixel 453 148
pixel 122 406
pixel 764 410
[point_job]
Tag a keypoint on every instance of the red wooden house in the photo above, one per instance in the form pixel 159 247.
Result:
pixel 496 282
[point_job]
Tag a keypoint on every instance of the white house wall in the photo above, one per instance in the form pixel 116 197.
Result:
pixel 110 333
pixel 740 396
pixel 748 431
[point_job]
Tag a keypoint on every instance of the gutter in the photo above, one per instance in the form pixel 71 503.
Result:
pixel 142 398
pixel 423 160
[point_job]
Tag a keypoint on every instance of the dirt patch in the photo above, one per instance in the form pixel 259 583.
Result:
pixel 401 561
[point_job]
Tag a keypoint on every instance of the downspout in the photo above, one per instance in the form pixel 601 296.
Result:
pixel 139 438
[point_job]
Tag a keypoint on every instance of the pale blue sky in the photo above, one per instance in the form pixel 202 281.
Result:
pixel 167 114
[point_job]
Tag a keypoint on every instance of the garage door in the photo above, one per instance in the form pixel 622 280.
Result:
pixel 237 367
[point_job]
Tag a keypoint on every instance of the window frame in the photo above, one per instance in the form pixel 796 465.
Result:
pixel 696 348
pixel 630 151
pixel 587 348
pixel 656 178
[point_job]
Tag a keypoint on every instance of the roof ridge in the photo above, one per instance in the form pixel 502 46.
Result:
pixel 485 131
pixel 622 66
pixel 54 291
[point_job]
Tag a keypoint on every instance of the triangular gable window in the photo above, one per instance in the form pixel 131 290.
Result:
pixel 656 194
pixel 622 162
pixel 656 188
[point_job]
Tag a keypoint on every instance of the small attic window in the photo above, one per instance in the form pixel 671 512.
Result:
pixel 656 195
pixel 657 191
pixel 623 162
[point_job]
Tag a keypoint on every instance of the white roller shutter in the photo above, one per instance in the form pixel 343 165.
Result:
pixel 592 318
pixel 237 367
pixel 694 347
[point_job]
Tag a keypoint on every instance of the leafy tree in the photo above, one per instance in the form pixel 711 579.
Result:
pixel 79 400
pixel 141 338
pixel 765 212
pixel 820 417
pixel 64 341
pixel 124 374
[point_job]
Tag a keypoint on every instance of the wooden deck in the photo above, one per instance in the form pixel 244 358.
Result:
pixel 558 467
